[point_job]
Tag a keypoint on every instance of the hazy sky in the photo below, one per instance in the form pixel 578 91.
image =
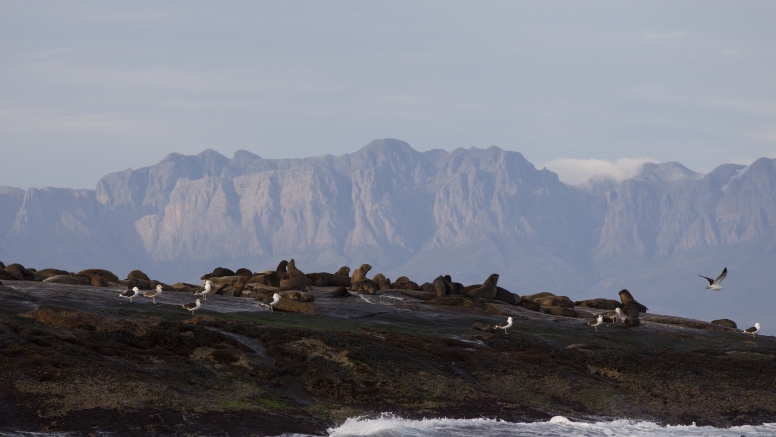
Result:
pixel 88 88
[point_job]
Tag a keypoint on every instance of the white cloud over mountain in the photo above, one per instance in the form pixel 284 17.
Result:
pixel 579 171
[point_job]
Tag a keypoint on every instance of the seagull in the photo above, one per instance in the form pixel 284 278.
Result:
pixel 271 303
pixel 596 323
pixel 504 325
pixel 129 294
pixel 619 316
pixel 192 306
pixel 153 294
pixel 714 284
pixel 204 290
pixel 753 330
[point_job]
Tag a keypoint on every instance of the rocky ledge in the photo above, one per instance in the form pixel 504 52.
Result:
pixel 78 358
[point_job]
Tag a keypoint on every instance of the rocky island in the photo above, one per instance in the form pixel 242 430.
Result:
pixel 79 358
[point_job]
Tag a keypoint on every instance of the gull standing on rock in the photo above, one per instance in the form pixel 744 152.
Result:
pixel 596 323
pixel 271 302
pixel 504 325
pixel 715 284
pixel 129 294
pixel 753 330
pixel 205 289
pixel 153 294
pixel 192 306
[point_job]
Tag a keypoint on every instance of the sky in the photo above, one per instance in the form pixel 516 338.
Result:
pixel 90 88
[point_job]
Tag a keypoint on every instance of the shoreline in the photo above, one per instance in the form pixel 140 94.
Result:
pixel 80 357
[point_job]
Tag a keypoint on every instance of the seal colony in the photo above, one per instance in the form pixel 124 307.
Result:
pixel 286 288
pixel 324 353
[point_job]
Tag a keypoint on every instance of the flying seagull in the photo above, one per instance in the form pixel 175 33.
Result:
pixel 714 284
pixel 130 294
pixel 504 325
pixel 204 290
pixel 596 323
pixel 153 294
pixel 192 306
pixel 753 330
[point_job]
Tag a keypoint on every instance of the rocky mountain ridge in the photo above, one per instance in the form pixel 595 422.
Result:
pixel 469 213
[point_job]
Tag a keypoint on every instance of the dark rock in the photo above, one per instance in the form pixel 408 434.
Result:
pixel 725 322
pixel 451 300
pixel 423 295
pixel 631 322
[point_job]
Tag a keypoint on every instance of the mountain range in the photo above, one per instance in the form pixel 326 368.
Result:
pixel 467 213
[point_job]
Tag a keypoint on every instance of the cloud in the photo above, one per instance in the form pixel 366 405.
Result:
pixel 579 171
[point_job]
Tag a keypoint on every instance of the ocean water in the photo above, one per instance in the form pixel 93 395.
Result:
pixel 391 426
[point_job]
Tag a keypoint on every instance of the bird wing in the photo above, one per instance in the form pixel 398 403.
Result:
pixel 151 293
pixel 128 293
pixel 721 277
pixel 752 329
pixel 501 325
pixel 190 305
pixel 711 281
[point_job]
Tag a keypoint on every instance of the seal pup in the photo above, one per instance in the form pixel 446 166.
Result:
pixel 192 306
pixel 753 330
pixel 205 289
pixel 130 294
pixel 597 322
pixel 715 284
pixel 504 325
pixel 153 294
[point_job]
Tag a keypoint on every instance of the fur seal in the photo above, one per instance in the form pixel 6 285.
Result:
pixel 366 286
pixel 439 287
pixel 343 271
pixel 529 304
pixel 560 311
pixel 296 280
pixel 341 292
pixel 244 272
pixel 507 296
pixel 52 272
pixel 627 300
pixel 600 303
pixel 555 301
pixel 487 290
pixel 235 289
pixel 538 295
pixel 137 274
pixel 336 280
pixel 101 272
pixel 455 287
pixel 271 278
pixel 725 322
pixel 293 272
pixel 482 325
pixel 426 286
pixel 62 279
pixel 318 279
pixel 359 275
pixel 218 272
pixel 98 281
pixel 379 278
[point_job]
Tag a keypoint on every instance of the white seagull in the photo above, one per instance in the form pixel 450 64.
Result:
pixel 596 323
pixel 205 289
pixel 714 284
pixel 271 303
pixel 129 294
pixel 192 306
pixel 504 325
pixel 753 330
pixel 619 316
pixel 153 294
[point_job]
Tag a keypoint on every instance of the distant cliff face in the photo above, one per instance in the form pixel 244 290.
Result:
pixel 470 212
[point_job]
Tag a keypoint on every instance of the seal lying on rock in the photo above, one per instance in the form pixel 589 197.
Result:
pixel 341 292
pixel 529 304
pixel 538 295
pixel 271 278
pixel 555 301
pixel 482 325
pixel 600 303
pixel 725 322
pixel 383 283
pixel 62 279
pixel 367 287
pixel 137 274
pixel 343 271
pixel 318 279
pixel 487 290
pixel 627 300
